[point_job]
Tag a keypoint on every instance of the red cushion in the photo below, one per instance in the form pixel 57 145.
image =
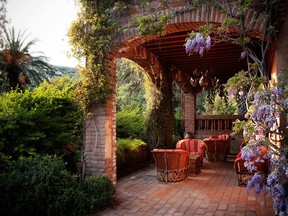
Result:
pixel 239 155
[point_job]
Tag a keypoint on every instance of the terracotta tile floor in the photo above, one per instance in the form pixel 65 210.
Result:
pixel 214 191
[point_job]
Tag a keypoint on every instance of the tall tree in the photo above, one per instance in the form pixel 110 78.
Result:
pixel 17 65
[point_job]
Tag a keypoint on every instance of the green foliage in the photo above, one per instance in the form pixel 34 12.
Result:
pixel 159 115
pixel 98 192
pixel 129 122
pixel 241 83
pixel 205 31
pixel 178 131
pixel 215 102
pixel 242 41
pixel 239 80
pixel 131 154
pixel 129 143
pixel 92 33
pixel 45 120
pixel 200 102
pixel 93 86
pixel 150 26
pixel 238 127
pixel 130 88
pixel 38 186
pixel 42 186
pixel 221 107
pixel 177 103
pixel 226 24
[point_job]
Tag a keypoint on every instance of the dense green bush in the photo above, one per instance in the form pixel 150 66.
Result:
pixel 42 186
pixel 98 191
pixel 39 186
pixel 44 120
pixel 130 123
pixel 131 154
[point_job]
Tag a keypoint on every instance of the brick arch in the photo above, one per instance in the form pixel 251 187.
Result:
pixel 101 125
pixel 185 19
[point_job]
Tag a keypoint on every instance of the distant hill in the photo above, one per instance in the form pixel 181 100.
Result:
pixel 63 70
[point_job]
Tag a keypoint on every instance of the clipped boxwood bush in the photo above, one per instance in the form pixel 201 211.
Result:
pixel 42 186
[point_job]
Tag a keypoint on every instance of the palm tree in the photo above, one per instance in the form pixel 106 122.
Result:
pixel 17 65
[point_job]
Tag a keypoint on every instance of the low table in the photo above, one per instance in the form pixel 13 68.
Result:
pixel 194 165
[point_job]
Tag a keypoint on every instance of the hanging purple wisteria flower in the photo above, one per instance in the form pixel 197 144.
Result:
pixel 198 44
pixel 269 104
pixel 243 55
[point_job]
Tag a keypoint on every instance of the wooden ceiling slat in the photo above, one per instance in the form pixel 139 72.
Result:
pixel 223 58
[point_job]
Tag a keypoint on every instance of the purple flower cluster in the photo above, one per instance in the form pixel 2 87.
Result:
pixel 198 44
pixel 279 190
pixel 243 55
pixel 267 106
pixel 258 182
pixel 277 92
pixel 252 154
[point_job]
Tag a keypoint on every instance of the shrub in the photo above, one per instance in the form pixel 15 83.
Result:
pixel 42 186
pixel 98 191
pixel 129 123
pixel 44 120
pixel 131 154
pixel 39 186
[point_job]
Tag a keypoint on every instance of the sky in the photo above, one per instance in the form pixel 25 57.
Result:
pixel 48 21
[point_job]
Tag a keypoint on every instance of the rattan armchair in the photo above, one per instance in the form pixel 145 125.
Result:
pixel 171 164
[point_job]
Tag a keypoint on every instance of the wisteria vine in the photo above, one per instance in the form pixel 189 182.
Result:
pixel 198 43
pixel 268 106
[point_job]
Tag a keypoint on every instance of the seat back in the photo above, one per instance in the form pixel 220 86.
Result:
pixel 176 159
pixel 170 159
pixel 221 136
pixel 191 145
pixel 160 159
pixel 216 149
pixel 171 164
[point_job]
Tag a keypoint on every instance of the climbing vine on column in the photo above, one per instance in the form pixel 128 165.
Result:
pixel 91 35
pixel 159 116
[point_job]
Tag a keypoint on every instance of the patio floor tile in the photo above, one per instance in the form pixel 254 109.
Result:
pixel 214 191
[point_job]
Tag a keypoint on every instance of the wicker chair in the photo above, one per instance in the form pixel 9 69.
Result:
pixel 243 175
pixel 218 146
pixel 193 146
pixel 171 164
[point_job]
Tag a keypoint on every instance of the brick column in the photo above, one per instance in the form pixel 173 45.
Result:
pixel 100 140
pixel 189 112
pixel 100 134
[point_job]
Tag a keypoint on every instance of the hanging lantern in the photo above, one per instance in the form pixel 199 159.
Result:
pixel 204 82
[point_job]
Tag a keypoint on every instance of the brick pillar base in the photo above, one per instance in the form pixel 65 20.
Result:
pixel 100 142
